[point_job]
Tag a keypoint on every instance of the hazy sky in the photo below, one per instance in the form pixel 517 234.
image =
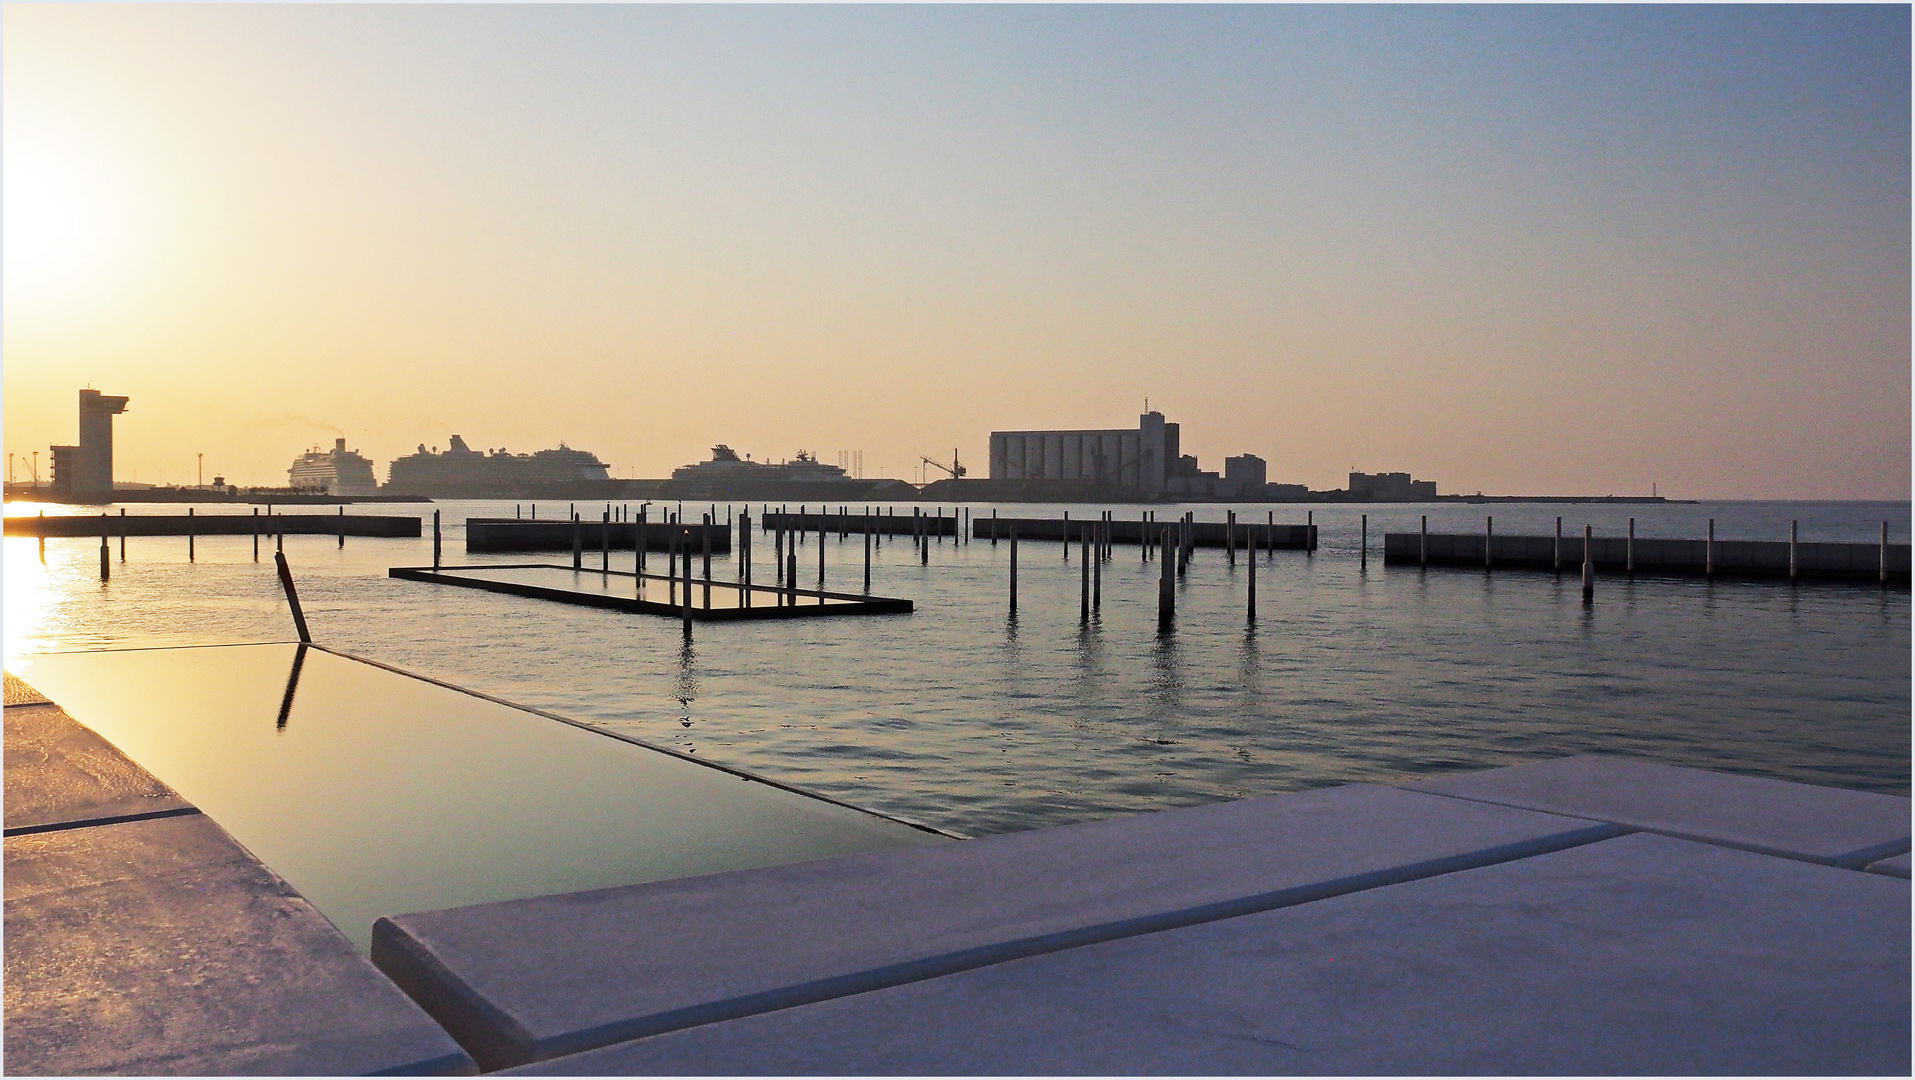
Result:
pixel 1522 250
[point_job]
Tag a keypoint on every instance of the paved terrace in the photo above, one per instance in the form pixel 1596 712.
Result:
pixel 1580 915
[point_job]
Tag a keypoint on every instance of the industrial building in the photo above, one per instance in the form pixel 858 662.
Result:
pixel 85 472
pixel 1141 463
pixel 1390 487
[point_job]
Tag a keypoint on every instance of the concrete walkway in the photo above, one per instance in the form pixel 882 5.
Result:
pixel 140 939
pixel 1643 919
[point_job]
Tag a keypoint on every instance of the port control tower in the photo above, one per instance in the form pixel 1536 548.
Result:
pixel 86 471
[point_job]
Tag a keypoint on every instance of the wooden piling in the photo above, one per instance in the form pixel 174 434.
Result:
pixel 1709 552
pixel 435 540
pixel 342 526
pixel 1556 563
pixel 1166 578
pixel 1629 550
pixel 688 580
pixel 578 543
pixel 1310 539
pixel 605 543
pixel 821 551
pixel 706 532
pixel 435 514
pixel 867 554
pixel 1423 543
pixel 1363 560
pixel 106 560
pixel 1252 611
pixel 1013 571
pixel 1881 576
pixel 292 596
pixel 189 534
pixel 1589 564
pixel 1230 537
pixel 1083 590
pixel 123 538
pixel 1097 585
pixel 639 541
pixel 1792 534
pixel 1489 539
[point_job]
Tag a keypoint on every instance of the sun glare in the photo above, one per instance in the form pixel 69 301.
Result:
pixel 61 219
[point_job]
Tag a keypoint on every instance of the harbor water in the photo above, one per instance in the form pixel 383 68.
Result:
pixel 961 717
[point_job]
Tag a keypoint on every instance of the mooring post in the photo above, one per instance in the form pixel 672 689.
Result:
pixel 1589 564
pixel 791 571
pixel 1423 547
pixel 255 535
pixel 578 543
pixel 518 511
pixel 189 534
pixel 638 541
pixel 535 511
pixel 1489 539
pixel 821 552
pixel 1363 546
pixel 106 561
pixel 123 537
pixel 1629 550
pixel 1792 524
pixel 867 554
pixel 435 540
pixel 1251 615
pixel 292 596
pixel 1143 536
pixel 688 579
pixel 705 534
pixel 1230 537
pixel 1013 571
pixel 1881 574
pixel 1097 584
pixel 1558 561
pixel 1083 590
pixel 1709 551
pixel 778 555
pixel 993 526
pixel 671 566
pixel 1067 536
pixel 605 542
pixel 1166 576
pixel 1310 532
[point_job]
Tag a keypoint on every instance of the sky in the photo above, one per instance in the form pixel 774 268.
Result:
pixel 1521 250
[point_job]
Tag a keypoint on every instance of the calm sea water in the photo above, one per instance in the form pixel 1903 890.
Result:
pixel 961 718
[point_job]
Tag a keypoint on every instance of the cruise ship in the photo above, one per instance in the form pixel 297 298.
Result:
pixel 338 471
pixel 727 476
pixel 463 471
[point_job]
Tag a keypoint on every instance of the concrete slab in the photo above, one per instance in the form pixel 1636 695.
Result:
pixel 162 947
pixel 60 774
pixel 1640 955
pixel 1895 867
pixel 19 693
pixel 1796 821
pixel 531 979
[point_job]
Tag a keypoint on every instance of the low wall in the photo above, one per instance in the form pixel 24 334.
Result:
pixel 1130 531
pixel 1733 558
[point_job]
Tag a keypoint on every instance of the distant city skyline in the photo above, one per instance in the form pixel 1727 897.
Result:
pixel 1528 250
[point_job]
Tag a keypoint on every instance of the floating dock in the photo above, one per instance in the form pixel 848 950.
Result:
pixel 1646 555
pixel 654 594
pixel 1204 534
pixel 90 525
pixel 491 535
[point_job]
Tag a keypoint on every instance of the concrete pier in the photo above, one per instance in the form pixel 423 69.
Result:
pixel 1700 558
pixel 487 535
pixel 1206 534
pixel 77 525
pixel 142 940
pixel 1355 929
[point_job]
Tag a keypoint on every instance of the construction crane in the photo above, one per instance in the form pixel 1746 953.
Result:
pixel 954 470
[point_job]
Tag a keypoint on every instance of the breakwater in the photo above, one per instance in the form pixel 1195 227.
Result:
pixel 75 525
pixel 484 535
pixel 1651 555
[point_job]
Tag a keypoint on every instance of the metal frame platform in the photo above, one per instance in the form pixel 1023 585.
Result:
pixel 747 601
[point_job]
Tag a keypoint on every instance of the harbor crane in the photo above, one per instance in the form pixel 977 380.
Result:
pixel 954 470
